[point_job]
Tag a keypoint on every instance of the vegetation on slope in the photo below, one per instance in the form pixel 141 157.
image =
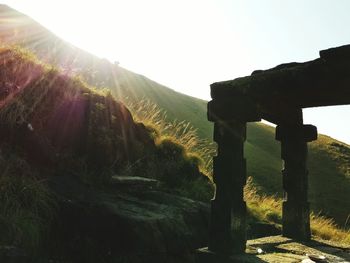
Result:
pixel 179 140
pixel 27 207
pixel 55 125
pixel 59 120
pixel 55 119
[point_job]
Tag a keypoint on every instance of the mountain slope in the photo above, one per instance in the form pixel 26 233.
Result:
pixel 329 160
pixel 16 28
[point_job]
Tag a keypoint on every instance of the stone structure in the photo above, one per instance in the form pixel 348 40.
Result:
pixel 277 95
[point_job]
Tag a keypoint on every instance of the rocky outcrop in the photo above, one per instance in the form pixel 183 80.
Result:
pixel 129 224
pixel 58 121
pixel 76 138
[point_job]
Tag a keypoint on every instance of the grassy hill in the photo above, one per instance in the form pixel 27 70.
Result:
pixel 329 160
pixel 56 127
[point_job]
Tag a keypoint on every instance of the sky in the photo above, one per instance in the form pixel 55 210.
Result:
pixel 189 44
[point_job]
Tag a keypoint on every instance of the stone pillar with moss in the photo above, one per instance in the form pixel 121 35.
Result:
pixel 228 209
pixel 227 233
pixel 295 207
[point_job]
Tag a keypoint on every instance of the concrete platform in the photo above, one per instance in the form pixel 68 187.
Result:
pixel 280 249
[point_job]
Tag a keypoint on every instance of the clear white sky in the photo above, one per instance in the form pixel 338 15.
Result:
pixel 188 44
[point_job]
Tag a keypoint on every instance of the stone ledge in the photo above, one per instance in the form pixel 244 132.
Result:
pixel 203 255
pixel 133 181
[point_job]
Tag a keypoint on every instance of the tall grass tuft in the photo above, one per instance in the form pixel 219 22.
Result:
pixel 262 207
pixel 326 229
pixel 181 132
pixel 269 209
pixel 27 207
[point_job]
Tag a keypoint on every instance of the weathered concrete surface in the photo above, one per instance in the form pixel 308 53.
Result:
pixel 277 91
pixel 278 249
pixel 320 82
pixel 281 249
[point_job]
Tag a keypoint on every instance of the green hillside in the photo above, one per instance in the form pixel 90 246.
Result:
pixel 329 160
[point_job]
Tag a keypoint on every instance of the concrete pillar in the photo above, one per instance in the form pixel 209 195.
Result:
pixel 228 209
pixel 295 217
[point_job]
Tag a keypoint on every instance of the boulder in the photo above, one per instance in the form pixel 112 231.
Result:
pixel 11 254
pixel 113 224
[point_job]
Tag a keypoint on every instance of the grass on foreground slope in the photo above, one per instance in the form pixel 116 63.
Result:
pixel 52 125
pixel 36 126
pixel 27 207
pixel 59 120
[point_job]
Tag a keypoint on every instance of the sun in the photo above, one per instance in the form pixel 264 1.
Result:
pixel 177 43
pixel 100 27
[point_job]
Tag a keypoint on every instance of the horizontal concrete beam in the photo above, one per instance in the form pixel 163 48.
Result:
pixel 239 108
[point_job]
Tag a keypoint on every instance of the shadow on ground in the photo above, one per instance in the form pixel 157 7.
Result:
pixel 281 249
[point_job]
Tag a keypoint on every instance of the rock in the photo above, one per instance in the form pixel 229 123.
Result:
pixel 145 226
pixel 203 255
pixel 317 258
pixel 11 254
pixel 134 181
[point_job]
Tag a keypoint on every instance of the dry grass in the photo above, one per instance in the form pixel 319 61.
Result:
pixel 269 209
pixel 181 132
pixel 325 228
pixel 27 207
pixel 262 207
